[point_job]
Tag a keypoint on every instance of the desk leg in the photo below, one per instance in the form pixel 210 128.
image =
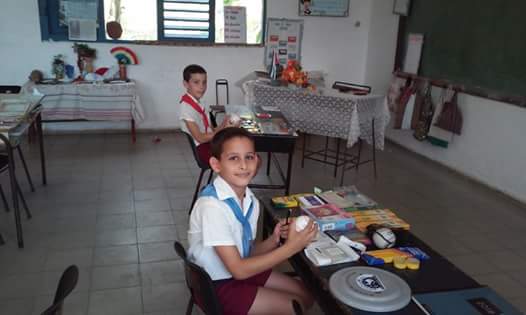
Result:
pixel 41 144
pixel 269 157
pixel 303 147
pixel 337 156
pixel 2 242
pixel 289 172
pixel 14 193
pixel 133 134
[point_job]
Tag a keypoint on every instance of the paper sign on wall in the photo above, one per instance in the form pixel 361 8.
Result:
pixel 284 38
pixel 235 24
pixel 413 53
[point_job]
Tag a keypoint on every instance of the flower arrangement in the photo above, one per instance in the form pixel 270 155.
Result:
pixel 293 74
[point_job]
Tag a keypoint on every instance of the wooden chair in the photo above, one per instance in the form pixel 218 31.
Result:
pixel 4 166
pixel 200 285
pixel 67 283
pixel 10 89
pixel 297 307
pixel 204 166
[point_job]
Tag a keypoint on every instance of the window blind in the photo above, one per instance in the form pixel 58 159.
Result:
pixel 187 19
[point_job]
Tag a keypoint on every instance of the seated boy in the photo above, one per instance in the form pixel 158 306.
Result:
pixel 194 115
pixel 223 228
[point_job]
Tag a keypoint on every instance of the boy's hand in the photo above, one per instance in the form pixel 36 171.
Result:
pixel 298 240
pixel 226 122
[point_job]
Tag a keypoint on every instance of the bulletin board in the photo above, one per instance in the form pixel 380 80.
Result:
pixel 338 8
pixel 284 38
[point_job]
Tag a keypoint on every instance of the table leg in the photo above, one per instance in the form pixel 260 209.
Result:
pixel 337 156
pixel 374 150
pixel 303 150
pixel 269 156
pixel 14 193
pixel 41 144
pixel 289 172
pixel 133 134
pixel 2 242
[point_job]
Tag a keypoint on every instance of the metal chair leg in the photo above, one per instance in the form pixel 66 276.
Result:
pixel 25 168
pixel 197 189
pixel 28 213
pixel 4 199
pixel 190 306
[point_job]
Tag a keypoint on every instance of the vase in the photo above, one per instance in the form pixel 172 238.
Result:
pixel 122 72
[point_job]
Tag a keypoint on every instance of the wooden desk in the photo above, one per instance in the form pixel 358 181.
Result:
pixel 436 274
pixel 269 142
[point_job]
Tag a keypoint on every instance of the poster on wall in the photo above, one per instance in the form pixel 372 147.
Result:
pixel 235 24
pixel 284 39
pixel 324 8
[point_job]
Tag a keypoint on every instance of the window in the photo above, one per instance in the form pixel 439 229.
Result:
pixel 160 20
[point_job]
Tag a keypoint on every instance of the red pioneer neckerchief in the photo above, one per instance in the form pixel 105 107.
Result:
pixel 190 101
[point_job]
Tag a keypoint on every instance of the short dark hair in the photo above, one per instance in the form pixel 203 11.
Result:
pixel 191 69
pixel 216 145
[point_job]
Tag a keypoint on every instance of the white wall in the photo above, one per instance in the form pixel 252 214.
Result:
pixel 334 45
pixel 491 149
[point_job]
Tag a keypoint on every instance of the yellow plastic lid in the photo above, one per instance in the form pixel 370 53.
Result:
pixel 400 262
pixel 413 263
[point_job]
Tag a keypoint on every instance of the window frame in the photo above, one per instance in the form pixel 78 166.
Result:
pixel 51 30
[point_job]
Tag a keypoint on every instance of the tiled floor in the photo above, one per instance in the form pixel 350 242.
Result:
pixel 114 209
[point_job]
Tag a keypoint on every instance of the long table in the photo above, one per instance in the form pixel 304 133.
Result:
pixel 434 275
pixel 92 102
pixel 329 113
pixel 10 135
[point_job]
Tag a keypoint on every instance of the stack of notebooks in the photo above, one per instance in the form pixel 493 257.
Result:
pixel 342 209
pixel 384 217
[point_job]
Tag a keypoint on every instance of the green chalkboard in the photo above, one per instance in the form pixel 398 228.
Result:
pixel 478 44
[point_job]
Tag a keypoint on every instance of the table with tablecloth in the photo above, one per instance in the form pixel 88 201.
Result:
pixel 327 112
pixel 92 101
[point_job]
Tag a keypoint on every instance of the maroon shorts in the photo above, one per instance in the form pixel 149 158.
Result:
pixel 237 296
pixel 203 151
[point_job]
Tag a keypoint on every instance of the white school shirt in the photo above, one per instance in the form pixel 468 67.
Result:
pixel 190 114
pixel 213 223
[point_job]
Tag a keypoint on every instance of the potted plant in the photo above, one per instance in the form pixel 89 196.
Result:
pixel 57 66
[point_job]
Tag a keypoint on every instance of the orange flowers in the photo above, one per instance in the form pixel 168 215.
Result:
pixel 293 74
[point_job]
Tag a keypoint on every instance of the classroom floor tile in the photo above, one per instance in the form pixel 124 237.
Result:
pixel 114 208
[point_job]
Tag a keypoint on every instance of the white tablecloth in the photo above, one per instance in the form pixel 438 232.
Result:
pixel 108 101
pixel 330 114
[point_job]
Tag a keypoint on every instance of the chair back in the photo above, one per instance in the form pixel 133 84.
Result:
pixel 354 88
pixel 297 308
pixel 223 82
pixel 10 89
pixel 194 151
pixel 200 284
pixel 67 283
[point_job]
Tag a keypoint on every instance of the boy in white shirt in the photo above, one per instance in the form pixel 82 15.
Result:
pixel 221 236
pixel 194 115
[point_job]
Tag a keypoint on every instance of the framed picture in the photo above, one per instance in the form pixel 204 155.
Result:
pixel 335 8
pixel 401 7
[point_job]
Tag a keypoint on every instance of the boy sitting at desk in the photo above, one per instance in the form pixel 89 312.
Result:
pixel 194 115
pixel 222 232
